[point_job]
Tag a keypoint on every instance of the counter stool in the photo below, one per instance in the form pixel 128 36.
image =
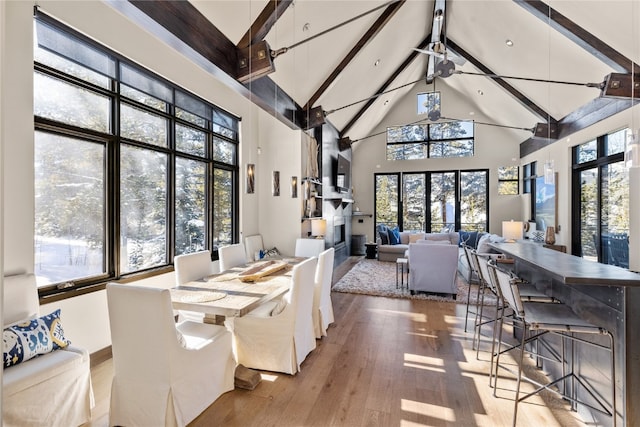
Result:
pixel 538 319
pixel 402 268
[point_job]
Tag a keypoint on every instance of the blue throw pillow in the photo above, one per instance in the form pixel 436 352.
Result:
pixel 394 236
pixel 32 338
pixel 469 238
pixel 383 233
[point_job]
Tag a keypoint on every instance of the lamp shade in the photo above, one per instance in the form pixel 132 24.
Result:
pixel 318 227
pixel 512 230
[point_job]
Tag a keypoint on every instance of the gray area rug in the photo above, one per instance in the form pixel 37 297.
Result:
pixel 378 278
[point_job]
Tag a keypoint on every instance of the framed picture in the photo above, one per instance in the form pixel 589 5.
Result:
pixel 251 182
pixel 546 204
pixel 276 183
pixel 294 187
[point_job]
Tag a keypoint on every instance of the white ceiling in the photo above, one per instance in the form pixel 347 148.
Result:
pixel 480 27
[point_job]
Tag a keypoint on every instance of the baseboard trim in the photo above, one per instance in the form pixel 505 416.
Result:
pixel 100 356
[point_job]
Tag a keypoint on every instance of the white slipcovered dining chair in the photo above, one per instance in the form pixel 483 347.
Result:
pixel 253 244
pixel 190 267
pixel 322 306
pixel 309 247
pixel 232 256
pixel 165 374
pixel 278 336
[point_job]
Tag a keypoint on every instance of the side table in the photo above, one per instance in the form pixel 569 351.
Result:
pixel 402 268
pixel 372 250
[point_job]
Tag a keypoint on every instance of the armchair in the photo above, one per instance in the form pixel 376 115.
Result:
pixel 273 340
pixel 189 267
pixel 322 307
pixel 433 268
pixel 169 379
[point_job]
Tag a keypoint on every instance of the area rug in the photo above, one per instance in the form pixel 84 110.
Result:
pixel 378 278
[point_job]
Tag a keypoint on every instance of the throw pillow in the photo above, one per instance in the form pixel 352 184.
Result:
pixel 434 242
pixel 32 338
pixel 469 238
pixel 271 252
pixel 383 233
pixel 394 236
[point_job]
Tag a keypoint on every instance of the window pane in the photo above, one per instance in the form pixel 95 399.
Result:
pixel 144 83
pixel 443 201
pixel 143 126
pixel 587 151
pixel 190 206
pixel 462 148
pixel 387 200
pixel 143 208
pixel 188 104
pixel 615 214
pixel 406 151
pixel 64 52
pixel 190 140
pixel 191 118
pixel 69 208
pixel 616 142
pixel 508 172
pixel 451 130
pixel 223 190
pixel 473 200
pixel 589 214
pixel 414 198
pixel 143 98
pixel 408 133
pixel 508 188
pixel 66 103
pixel 225 124
pixel 224 151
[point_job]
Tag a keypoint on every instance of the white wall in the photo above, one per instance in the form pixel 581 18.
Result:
pixel 85 317
pixel 494 147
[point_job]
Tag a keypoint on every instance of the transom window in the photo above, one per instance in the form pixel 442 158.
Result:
pixel 436 140
pixel 130 169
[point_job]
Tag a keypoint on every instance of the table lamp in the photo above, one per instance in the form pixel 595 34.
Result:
pixel 318 228
pixel 512 230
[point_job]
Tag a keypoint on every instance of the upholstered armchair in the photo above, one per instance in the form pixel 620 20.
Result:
pixel 433 268
pixel 190 267
pixel 165 374
pixel 278 336
pixel 232 256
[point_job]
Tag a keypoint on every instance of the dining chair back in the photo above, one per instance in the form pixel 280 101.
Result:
pixel 192 266
pixel 322 306
pixel 172 378
pixel 253 244
pixel 309 247
pixel 232 256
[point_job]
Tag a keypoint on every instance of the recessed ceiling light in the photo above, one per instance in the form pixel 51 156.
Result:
pixel 375 64
pixel 480 92
pixel 472 113
pixel 509 42
pixel 386 102
pixel 306 27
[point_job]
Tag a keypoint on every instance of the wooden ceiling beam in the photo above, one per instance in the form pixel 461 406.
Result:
pixel 409 59
pixel 369 35
pixel 522 98
pixel 583 38
pixel 264 22
pixel 182 26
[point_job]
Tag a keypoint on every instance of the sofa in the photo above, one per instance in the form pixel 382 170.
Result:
pixel 48 381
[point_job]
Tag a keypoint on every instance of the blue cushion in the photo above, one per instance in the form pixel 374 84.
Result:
pixel 32 338
pixel 470 238
pixel 394 236
pixel 383 233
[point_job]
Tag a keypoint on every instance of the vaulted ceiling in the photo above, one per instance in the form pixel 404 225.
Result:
pixel 348 62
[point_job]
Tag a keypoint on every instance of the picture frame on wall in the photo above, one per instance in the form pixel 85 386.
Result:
pixel 276 183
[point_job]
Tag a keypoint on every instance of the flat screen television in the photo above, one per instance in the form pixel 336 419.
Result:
pixel 343 174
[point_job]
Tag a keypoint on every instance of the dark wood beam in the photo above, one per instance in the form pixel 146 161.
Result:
pixel 579 35
pixel 592 112
pixel 377 26
pixel 264 22
pixel 186 22
pixel 523 99
pixel 182 26
pixel 386 84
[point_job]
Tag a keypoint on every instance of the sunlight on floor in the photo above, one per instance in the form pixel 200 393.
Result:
pixel 443 413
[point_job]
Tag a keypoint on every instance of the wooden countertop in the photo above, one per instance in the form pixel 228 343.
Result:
pixel 568 268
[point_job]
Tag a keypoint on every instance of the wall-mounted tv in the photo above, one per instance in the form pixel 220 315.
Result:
pixel 343 174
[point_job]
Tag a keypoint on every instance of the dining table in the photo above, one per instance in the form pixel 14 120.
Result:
pixel 236 291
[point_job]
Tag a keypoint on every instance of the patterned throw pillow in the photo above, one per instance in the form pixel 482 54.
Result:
pixel 273 252
pixel 32 338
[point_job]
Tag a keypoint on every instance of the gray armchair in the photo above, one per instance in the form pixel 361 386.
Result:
pixel 433 268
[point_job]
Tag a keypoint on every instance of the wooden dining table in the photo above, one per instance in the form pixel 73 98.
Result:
pixel 237 291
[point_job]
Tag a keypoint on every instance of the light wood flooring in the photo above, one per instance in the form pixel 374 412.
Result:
pixel 385 362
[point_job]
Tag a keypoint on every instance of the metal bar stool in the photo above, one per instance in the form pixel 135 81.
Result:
pixel 539 319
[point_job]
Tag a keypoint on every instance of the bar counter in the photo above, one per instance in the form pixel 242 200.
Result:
pixel 604 295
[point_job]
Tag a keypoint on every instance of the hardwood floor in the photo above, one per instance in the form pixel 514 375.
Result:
pixel 385 362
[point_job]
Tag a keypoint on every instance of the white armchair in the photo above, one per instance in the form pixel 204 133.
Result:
pixel 309 247
pixel 273 340
pixel 165 374
pixel 53 389
pixel 232 256
pixel 253 244
pixel 433 268
pixel 322 306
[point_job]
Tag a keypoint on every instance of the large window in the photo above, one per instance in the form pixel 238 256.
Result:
pixel 433 201
pixel 130 170
pixel 601 200
pixel 421 141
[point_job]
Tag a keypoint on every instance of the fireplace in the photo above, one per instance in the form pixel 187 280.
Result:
pixel 339 231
